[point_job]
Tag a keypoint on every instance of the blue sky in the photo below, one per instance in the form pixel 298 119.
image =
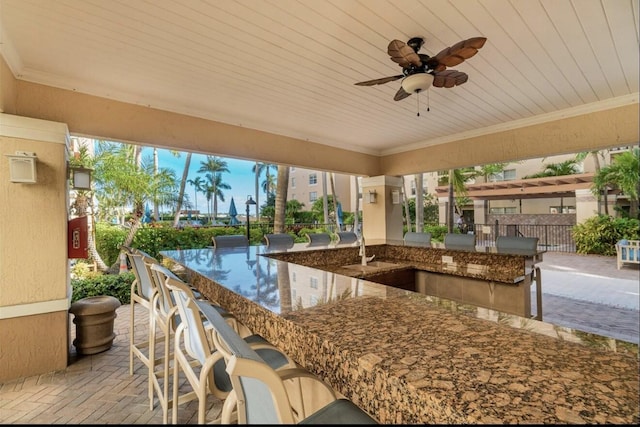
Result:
pixel 240 177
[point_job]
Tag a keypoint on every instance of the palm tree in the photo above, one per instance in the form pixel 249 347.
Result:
pixel 281 199
pixel 568 167
pixel 123 179
pixel 405 200
pixel 419 203
pixel 198 187
pixel 622 174
pixel 456 179
pixel 215 185
pixel 183 183
pixel 595 155
pixel 213 168
pixel 335 201
pixel 257 170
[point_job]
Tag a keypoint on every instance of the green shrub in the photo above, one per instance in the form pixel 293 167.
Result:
pixel 108 240
pixel 115 285
pixel 599 234
pixel 437 232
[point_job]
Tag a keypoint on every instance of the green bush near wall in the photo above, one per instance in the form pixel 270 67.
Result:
pixel 115 285
pixel 599 234
pixel 153 240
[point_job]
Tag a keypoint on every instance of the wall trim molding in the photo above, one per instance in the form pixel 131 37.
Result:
pixel 33 129
pixel 43 307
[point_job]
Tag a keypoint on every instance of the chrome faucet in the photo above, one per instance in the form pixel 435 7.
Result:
pixel 363 252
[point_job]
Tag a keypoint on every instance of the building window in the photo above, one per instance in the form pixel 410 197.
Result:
pixel 313 300
pixel 313 196
pixel 313 282
pixel 563 209
pixel 505 175
pixel 293 183
pixel 313 179
pixel 509 210
pixel 293 276
pixel 292 168
pixel 413 187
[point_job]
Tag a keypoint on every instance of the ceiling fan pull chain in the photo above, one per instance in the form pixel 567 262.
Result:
pixel 418 102
pixel 428 101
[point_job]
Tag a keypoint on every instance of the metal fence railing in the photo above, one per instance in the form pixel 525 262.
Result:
pixel 551 237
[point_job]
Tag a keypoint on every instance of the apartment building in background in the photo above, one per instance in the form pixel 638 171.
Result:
pixel 504 194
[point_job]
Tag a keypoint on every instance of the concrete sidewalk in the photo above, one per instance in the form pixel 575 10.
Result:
pixel 591 278
pixel 589 293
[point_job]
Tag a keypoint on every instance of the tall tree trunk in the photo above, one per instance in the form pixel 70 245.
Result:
pixel 419 203
pixel 335 201
pixel 451 203
pixel 257 190
pixel 405 200
pixel 156 207
pixel 356 216
pixel 325 204
pixel 281 199
pixel 183 183
pixel 82 206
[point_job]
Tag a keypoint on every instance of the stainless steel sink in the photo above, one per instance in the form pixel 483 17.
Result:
pixel 372 266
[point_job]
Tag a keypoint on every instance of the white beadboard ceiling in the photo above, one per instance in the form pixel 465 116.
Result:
pixel 289 66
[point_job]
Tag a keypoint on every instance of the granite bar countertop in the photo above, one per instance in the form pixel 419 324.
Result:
pixel 503 268
pixel 406 357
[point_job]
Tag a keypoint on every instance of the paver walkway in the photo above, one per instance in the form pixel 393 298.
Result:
pixel 583 292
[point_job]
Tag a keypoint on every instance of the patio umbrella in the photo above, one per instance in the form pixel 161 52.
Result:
pixel 146 219
pixel 233 213
pixel 339 215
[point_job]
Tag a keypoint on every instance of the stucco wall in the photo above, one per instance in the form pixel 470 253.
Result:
pixel 34 279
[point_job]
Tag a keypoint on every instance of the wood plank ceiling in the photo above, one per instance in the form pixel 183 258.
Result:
pixel 289 66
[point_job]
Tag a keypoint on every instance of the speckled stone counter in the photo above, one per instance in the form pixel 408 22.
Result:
pixel 405 357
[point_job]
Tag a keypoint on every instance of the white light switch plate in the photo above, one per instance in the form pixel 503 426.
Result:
pixel 447 259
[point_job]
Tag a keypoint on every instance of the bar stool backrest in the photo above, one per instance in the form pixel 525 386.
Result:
pixel 460 242
pixel 346 237
pixel 413 238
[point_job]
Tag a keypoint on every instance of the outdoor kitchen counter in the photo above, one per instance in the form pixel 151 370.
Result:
pixel 406 357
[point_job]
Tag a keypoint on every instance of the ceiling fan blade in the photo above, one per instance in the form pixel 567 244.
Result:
pixel 380 81
pixel 459 52
pixel 400 94
pixel 403 54
pixel 449 78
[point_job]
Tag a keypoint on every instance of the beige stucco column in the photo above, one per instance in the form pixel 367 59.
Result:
pixel 382 219
pixel 34 274
pixel 586 205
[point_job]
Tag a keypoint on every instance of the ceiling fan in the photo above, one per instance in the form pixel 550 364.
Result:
pixel 420 71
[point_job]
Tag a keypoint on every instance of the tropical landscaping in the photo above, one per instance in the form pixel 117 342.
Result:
pixel 129 192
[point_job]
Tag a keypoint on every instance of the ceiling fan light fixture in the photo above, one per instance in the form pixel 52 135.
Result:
pixel 417 82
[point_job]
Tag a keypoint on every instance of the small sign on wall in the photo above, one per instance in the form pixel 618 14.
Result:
pixel 395 197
